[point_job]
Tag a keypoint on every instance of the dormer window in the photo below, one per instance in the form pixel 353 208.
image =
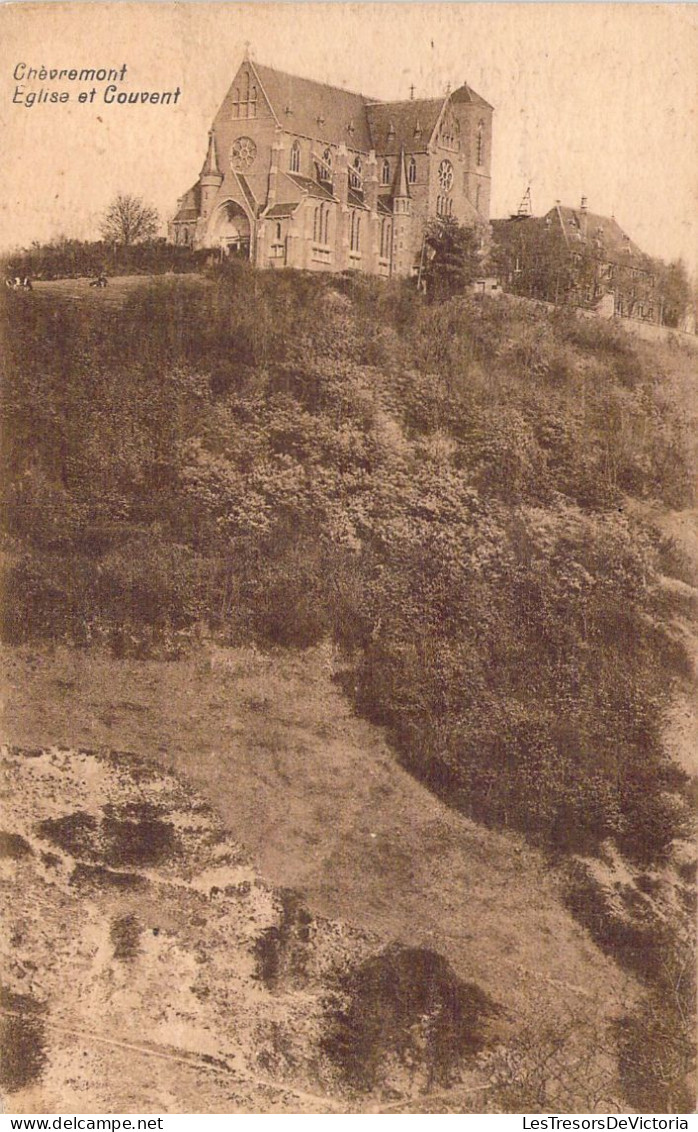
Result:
pixel 294 162
pixel 385 173
pixel 355 181
pixel 391 131
pixel 411 171
pixel 324 169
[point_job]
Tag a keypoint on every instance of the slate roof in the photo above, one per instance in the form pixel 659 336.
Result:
pixel 328 113
pixel 466 93
pixel 278 211
pixel 403 125
pixel 190 205
pixel 581 231
pixel 574 222
pixel 307 185
pixel 333 115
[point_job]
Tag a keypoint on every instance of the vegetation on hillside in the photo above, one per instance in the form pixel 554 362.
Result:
pixel 440 488
pixel 65 258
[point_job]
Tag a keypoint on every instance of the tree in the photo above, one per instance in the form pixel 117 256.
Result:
pixel 128 220
pixel 452 257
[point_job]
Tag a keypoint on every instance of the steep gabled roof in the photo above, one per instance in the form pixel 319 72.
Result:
pixel 582 231
pixel 604 231
pixel 403 125
pixel 314 109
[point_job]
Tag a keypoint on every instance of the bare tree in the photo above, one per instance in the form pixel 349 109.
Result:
pixel 128 220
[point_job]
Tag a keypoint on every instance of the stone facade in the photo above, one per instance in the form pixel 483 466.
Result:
pixel 301 174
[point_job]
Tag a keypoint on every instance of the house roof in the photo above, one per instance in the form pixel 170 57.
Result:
pixel 315 109
pixel 403 125
pixel 581 230
pixel 594 228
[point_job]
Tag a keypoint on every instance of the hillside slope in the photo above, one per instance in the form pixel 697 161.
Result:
pixel 272 746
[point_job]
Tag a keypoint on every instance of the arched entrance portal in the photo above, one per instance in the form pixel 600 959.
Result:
pixel 231 230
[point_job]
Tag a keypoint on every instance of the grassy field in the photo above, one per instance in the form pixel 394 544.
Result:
pixel 118 289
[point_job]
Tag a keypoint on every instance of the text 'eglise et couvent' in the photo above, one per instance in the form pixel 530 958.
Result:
pixel 306 175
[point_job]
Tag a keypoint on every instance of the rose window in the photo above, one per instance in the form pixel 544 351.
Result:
pixel 446 175
pixel 242 153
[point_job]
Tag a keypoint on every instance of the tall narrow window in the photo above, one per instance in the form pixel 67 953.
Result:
pixel 412 171
pixel 355 175
pixel 278 230
pixel 477 198
pixel 326 226
pixel 295 158
pixel 236 102
pixel 352 230
pixel 480 142
pixel 316 225
pixel 358 233
pixel 253 102
pixel 385 173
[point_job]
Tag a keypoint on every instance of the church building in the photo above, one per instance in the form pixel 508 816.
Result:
pixel 301 174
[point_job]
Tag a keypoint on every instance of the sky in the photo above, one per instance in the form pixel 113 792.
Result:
pixel 597 99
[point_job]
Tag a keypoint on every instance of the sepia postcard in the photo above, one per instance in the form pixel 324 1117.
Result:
pixel 349 533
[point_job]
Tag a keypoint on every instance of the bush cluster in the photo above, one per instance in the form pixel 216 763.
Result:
pixel 438 487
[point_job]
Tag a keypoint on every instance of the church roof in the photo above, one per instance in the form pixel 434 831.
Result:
pixel 189 206
pixel 280 211
pixel 316 110
pixel 403 125
pixel 466 93
pixel 307 185
pixel 210 166
pixel 333 115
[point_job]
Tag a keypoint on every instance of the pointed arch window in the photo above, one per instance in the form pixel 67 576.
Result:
pixel 316 224
pixel 253 102
pixel 480 143
pixel 385 173
pixel 326 226
pixel 386 234
pixel 294 163
pixel 411 171
pixel 236 102
pixel 355 232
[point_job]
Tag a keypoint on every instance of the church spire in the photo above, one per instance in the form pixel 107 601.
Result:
pixel 210 165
